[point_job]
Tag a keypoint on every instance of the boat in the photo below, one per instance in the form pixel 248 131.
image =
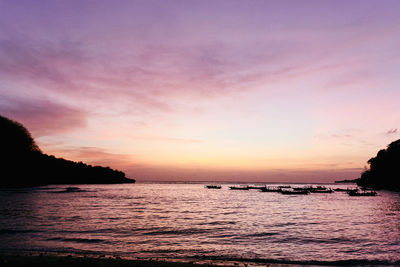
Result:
pixel 70 190
pixel 324 190
pixel 307 188
pixel 317 188
pixel 284 186
pixel 239 187
pixel 294 192
pixel 213 186
pixel 344 190
pixel 363 193
pixel 271 189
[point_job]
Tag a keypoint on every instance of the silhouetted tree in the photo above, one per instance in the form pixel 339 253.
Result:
pixel 15 138
pixel 384 170
pixel 23 164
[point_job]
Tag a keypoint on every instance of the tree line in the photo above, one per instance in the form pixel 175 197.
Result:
pixel 22 163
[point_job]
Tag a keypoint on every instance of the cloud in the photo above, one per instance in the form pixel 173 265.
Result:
pixel 43 117
pixel 150 76
pixel 91 155
pixel 147 75
pixel 392 131
pixel 43 62
pixel 165 139
pixel 352 78
pixel 333 136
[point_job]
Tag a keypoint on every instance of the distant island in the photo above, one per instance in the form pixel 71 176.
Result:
pixel 24 164
pixel 347 181
pixel 384 170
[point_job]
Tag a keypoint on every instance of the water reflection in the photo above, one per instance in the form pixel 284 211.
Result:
pixel 181 220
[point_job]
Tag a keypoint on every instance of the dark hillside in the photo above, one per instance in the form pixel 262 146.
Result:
pixel 384 171
pixel 23 164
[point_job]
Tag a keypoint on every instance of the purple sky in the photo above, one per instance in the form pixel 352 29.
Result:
pixel 205 90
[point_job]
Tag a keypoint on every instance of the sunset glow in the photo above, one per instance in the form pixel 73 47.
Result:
pixel 298 91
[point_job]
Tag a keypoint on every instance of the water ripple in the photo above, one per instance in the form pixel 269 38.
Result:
pixel 187 220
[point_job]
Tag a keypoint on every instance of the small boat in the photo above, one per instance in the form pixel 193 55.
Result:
pixel 344 190
pixel 326 190
pixel 239 187
pixel 70 190
pixel 363 193
pixel 284 186
pixel 317 188
pixel 213 186
pixel 294 192
pixel 271 189
pixel 304 188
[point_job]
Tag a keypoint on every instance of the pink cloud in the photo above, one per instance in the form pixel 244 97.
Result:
pixel 43 117
pixel 166 139
pixel 146 76
pixel 40 62
pixel 90 155
pixel 153 77
pixel 392 131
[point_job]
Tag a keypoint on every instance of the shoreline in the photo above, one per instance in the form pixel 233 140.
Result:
pixel 53 259
pixel 50 259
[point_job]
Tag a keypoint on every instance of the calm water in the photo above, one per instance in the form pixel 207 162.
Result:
pixel 187 220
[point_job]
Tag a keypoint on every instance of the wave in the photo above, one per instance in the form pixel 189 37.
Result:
pixel 284 224
pixel 347 262
pixel 262 234
pixel 190 231
pixel 340 240
pixel 225 235
pixel 240 237
pixel 124 231
pixel 78 240
pixel 219 223
pixel 15 232
pixel 174 252
pixel 56 250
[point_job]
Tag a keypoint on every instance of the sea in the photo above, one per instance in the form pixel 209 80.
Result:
pixel 189 221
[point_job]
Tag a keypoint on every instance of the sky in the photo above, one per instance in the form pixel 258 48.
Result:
pixel 263 91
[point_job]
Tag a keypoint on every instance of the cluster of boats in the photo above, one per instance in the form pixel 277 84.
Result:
pixel 305 190
pixel 362 192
